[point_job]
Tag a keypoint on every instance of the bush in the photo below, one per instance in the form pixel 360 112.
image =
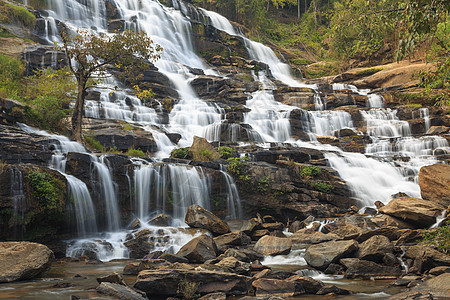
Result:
pixel 93 143
pixel 11 71
pixel 205 155
pixel 310 171
pixel 438 238
pixel 226 152
pixel 182 153
pixel 323 187
pixel 238 169
pixel 187 289
pixel 135 153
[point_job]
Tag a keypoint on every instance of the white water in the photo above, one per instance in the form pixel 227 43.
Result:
pixel 19 202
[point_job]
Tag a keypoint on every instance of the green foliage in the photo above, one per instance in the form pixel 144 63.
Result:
pixel 310 171
pixel 187 289
pixel 263 184
pixel 323 187
pixel 93 143
pixel 438 80
pixel 205 155
pixel 47 190
pixel 238 169
pixel 226 152
pixel 9 12
pixel 135 153
pixel 11 71
pixel 182 153
pixel 438 238
pixel 128 127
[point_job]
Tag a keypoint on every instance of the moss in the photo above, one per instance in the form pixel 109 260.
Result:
pixel 9 12
pixel 368 72
pixel 48 191
pixel 310 171
pixel 182 153
pixel 93 143
pixel 323 187
pixel 227 152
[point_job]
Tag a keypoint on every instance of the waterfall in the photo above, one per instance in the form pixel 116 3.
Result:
pixel 19 201
pixel 234 206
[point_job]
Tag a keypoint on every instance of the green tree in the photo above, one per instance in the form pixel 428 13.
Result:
pixel 91 53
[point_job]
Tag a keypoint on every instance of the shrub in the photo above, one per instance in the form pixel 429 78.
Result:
pixel 238 168
pixel 93 143
pixel 187 289
pixel 11 71
pixel 182 153
pixel 226 152
pixel 205 155
pixel 323 187
pixel 438 238
pixel 310 171
pixel 135 153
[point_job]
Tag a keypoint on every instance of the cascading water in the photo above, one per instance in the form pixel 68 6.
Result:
pixel 19 200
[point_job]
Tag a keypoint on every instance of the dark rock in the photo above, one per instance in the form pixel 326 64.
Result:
pixel 231 239
pixel 365 269
pixel 159 220
pixel 232 264
pixel 173 258
pixel 112 278
pixel 214 296
pixel 199 217
pixel 332 289
pixel 375 248
pixel 139 245
pixel 43 57
pixel 115 26
pixel 152 264
pixel 309 285
pixel 166 282
pixel 131 269
pixel 274 287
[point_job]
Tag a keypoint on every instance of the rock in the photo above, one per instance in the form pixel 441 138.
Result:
pixel 270 245
pixel 426 258
pixel 173 258
pixel 306 236
pixel 357 268
pixel 416 211
pixel 332 289
pixel 231 239
pixel 273 226
pixel 375 248
pixel 139 245
pixel 296 226
pixel 438 287
pixel 112 278
pixel 321 255
pixel 160 220
pixel 122 140
pixel 334 269
pixel 262 298
pixel 23 260
pixel 439 270
pixel 274 287
pixel 214 296
pixel 166 282
pixel 434 183
pixel 234 265
pixel 386 220
pixel 153 264
pixel 131 269
pixel 199 217
pixel 199 249
pixel 199 147
pixel 119 291
pixel 246 226
pixel 438 130
pixel 43 57
pixel 262 274
pixel 257 234
pixel 308 284
pixel 116 25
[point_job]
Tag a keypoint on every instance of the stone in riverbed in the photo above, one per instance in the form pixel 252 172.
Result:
pixel 198 217
pixel 332 289
pixel 357 268
pixel 112 278
pixel 231 239
pixel 308 284
pixel 199 249
pixel 274 287
pixel 434 183
pixel 321 255
pixel 422 213
pixel 166 282
pixel 23 260
pixel 119 291
pixel 375 248
pixel 270 245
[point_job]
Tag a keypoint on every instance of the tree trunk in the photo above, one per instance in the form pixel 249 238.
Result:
pixel 78 110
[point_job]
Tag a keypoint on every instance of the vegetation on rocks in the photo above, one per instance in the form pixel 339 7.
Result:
pixel 438 238
pixel 182 153
pixel 10 12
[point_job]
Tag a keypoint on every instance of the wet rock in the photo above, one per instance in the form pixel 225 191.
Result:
pixel 375 248
pixel 199 249
pixel 117 25
pixel 434 183
pixel 131 269
pixel 320 256
pixel 160 220
pixel 43 57
pixel 257 234
pixel 173 258
pixel 122 140
pixel 246 226
pixel 357 268
pixel 139 245
pixel 237 254
pixel 154 255
pixel 308 284
pixel 416 211
pixel 23 260
pixel 334 269
pixel 439 270
pixel 270 245
pixel 112 278
pixel 332 289
pixel 166 282
pixel 434 288
pixel 214 296
pixel 201 145
pixel 198 217
pixel 152 264
pixel 426 258
pixel 234 265
pixel 273 226
pixel 296 226
pixel 307 236
pixel 274 287
pixel 119 291
pixel 231 239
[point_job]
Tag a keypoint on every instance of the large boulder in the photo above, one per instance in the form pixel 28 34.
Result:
pixel 201 149
pixel 166 282
pixel 198 217
pixel 308 284
pixel 320 256
pixel 275 287
pixel 23 260
pixel 237 238
pixel 271 245
pixel 375 248
pixel 357 268
pixel 434 183
pixel 199 249
pixel 416 211
pixel 308 236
